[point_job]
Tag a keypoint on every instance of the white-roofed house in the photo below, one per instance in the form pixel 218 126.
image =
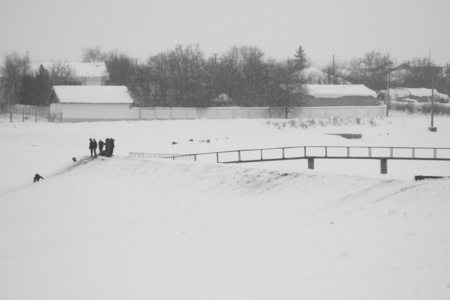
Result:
pixel 419 94
pixel 86 73
pixel 90 103
pixel 339 95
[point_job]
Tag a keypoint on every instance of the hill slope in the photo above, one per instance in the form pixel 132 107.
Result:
pixel 129 229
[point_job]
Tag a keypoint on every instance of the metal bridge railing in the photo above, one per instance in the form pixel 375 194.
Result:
pixel 305 152
pixel 163 156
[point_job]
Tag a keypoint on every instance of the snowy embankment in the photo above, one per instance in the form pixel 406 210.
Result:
pixel 122 228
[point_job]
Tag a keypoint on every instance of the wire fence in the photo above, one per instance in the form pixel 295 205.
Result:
pixel 24 113
pixel 191 157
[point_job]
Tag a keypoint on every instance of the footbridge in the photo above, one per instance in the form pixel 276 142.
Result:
pixel 310 153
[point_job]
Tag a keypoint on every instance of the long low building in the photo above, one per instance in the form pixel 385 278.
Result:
pixel 90 103
pixel 113 103
pixel 316 95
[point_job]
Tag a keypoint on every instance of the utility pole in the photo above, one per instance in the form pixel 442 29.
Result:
pixel 334 72
pixel 432 128
pixel 288 82
pixel 388 100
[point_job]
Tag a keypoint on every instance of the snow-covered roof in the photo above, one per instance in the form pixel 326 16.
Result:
pixel 415 92
pixel 82 69
pixel 337 91
pixel 93 94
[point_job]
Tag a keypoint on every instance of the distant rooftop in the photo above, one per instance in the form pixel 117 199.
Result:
pixel 82 69
pixel 402 92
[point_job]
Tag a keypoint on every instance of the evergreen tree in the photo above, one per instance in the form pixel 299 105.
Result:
pixel 26 91
pixel 42 87
pixel 300 61
pixel 35 88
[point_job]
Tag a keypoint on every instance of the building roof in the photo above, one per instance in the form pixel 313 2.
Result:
pixel 92 94
pixel 398 93
pixel 82 69
pixel 337 91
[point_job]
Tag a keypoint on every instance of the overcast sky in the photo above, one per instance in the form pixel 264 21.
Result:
pixel 61 29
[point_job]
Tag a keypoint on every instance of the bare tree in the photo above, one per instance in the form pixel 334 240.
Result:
pixel 94 55
pixel 421 72
pixel 337 72
pixel 14 69
pixel 370 70
pixel 61 73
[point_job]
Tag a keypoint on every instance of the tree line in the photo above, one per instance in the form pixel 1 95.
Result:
pixel 241 76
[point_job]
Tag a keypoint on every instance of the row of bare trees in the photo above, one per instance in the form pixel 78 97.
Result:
pixel 241 76
pixel 373 68
pixel 185 77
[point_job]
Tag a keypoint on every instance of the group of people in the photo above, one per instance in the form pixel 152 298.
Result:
pixel 108 145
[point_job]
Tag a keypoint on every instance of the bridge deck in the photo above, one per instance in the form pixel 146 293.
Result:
pixel 308 152
pixel 311 153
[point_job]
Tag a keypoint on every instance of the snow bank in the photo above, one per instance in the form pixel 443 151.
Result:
pixel 120 228
pixel 133 229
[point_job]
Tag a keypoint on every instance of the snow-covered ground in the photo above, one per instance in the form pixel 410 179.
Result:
pixel 122 228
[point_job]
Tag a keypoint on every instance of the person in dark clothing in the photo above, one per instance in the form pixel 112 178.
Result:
pixel 107 147
pixel 100 146
pixel 111 141
pixel 37 177
pixel 95 147
pixel 91 147
pixel 101 152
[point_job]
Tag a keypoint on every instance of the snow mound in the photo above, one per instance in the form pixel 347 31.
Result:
pixel 116 228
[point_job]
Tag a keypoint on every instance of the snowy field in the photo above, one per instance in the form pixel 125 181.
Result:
pixel 122 228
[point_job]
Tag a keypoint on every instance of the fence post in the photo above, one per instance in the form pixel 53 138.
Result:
pixel 311 163
pixel 10 116
pixel 383 166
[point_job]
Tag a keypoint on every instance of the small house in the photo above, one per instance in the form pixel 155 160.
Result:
pixel 90 103
pixel 418 94
pixel 86 73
